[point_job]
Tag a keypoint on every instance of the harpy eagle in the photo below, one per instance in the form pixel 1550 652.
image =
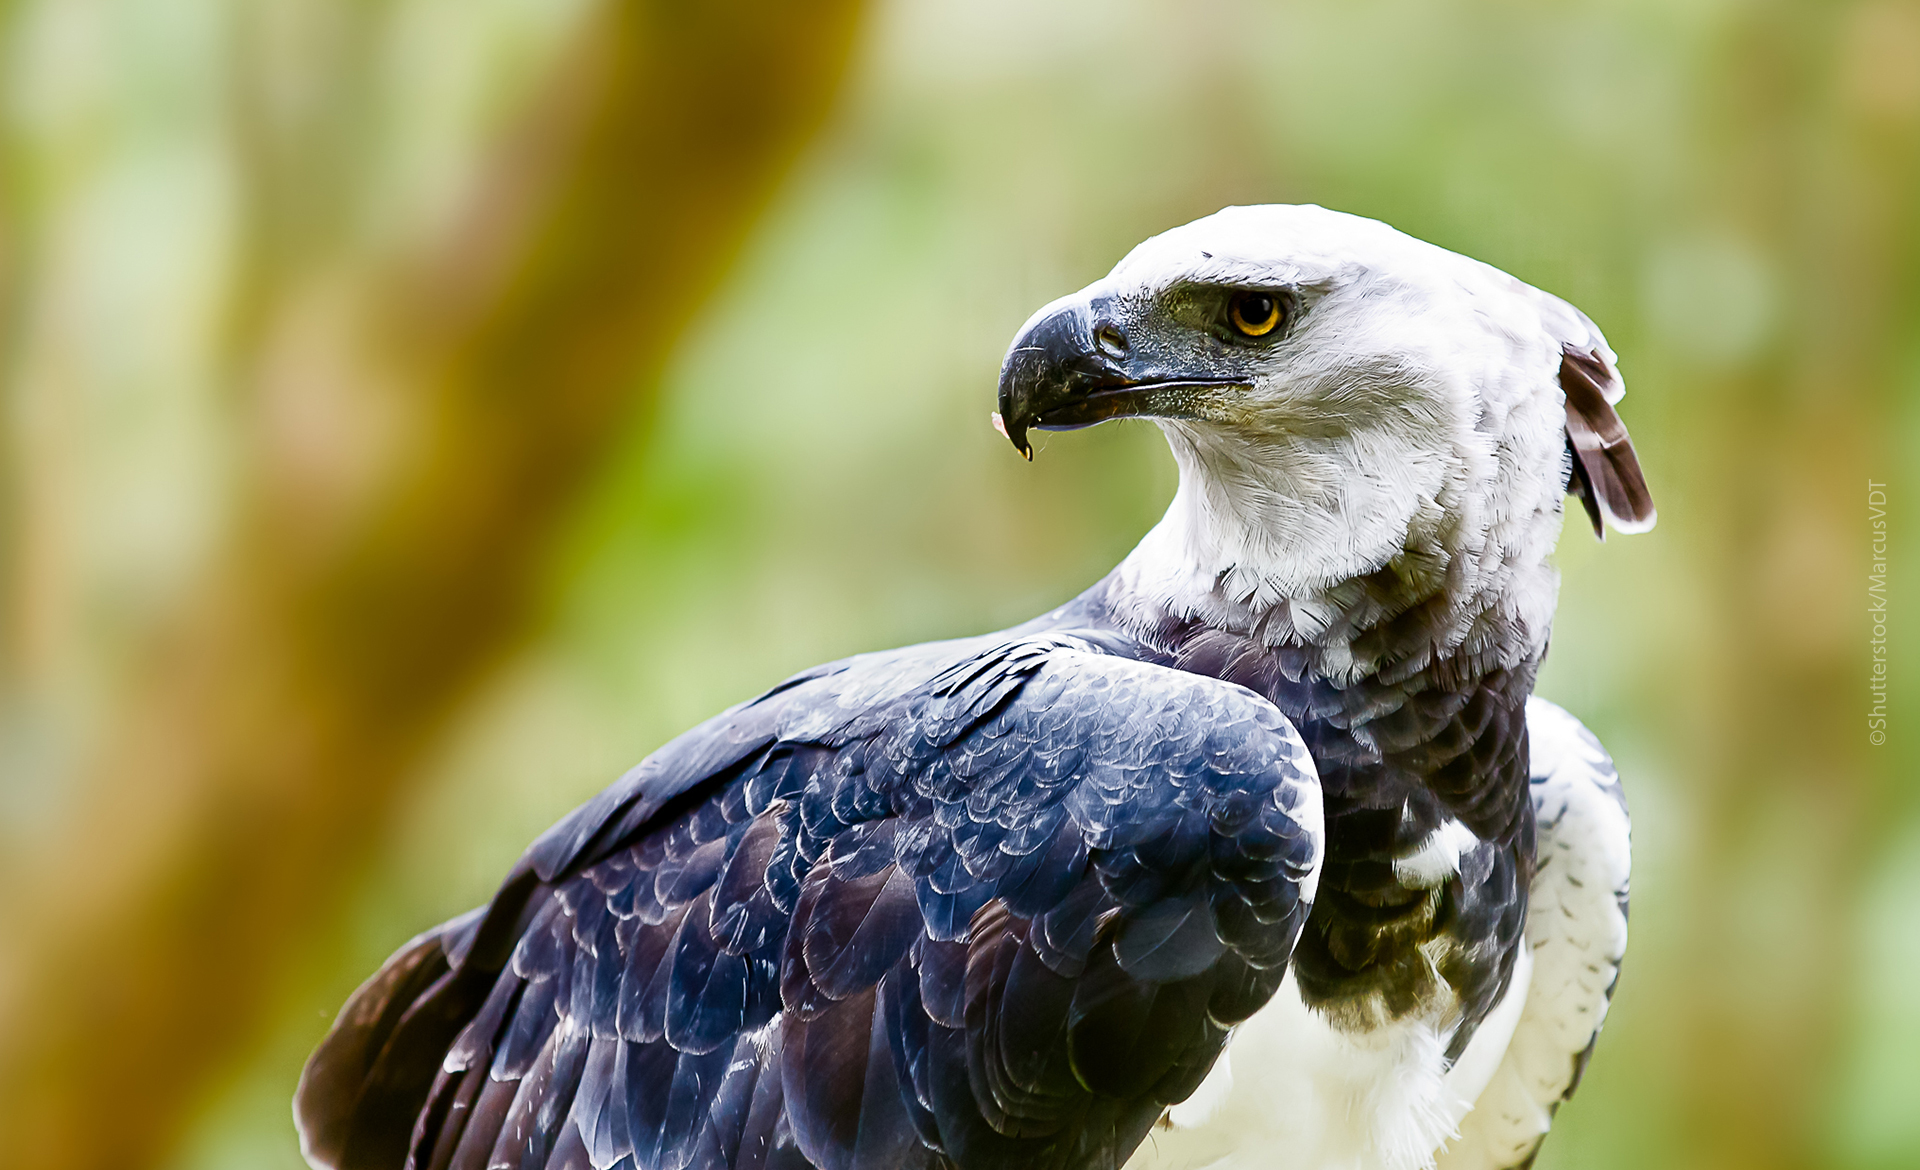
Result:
pixel 1258 853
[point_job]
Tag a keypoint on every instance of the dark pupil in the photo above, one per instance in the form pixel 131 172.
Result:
pixel 1256 310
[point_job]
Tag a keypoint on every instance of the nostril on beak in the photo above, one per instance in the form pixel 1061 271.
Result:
pixel 1110 339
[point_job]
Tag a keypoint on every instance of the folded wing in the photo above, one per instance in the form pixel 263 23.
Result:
pixel 1577 929
pixel 984 904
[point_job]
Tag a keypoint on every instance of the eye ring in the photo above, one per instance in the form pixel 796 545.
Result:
pixel 1255 313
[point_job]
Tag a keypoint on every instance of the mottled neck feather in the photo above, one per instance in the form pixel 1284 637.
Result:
pixel 1451 604
pixel 1398 676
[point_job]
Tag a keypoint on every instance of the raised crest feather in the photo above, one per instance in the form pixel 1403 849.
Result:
pixel 1606 472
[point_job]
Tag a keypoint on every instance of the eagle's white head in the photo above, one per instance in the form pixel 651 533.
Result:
pixel 1346 404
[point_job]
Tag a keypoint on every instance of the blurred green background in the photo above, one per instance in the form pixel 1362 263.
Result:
pixel 797 464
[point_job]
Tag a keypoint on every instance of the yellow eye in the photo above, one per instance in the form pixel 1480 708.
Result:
pixel 1255 314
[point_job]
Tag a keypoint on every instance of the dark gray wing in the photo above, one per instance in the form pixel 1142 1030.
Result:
pixel 984 904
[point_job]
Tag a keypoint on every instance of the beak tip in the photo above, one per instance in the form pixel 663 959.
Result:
pixel 1019 441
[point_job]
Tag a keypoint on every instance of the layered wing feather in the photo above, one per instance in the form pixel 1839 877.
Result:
pixel 981 904
pixel 1577 930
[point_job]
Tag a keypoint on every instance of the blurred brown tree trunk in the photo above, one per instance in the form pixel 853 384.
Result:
pixel 410 449
pixel 1808 121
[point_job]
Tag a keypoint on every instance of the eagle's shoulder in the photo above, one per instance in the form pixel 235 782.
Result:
pixel 924 698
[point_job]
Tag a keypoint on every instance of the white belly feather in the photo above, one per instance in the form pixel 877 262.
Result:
pixel 1293 1091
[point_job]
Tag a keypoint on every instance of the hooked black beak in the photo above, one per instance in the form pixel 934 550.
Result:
pixel 1075 366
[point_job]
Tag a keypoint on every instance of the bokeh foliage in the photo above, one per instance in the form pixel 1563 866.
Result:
pixel 1729 189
